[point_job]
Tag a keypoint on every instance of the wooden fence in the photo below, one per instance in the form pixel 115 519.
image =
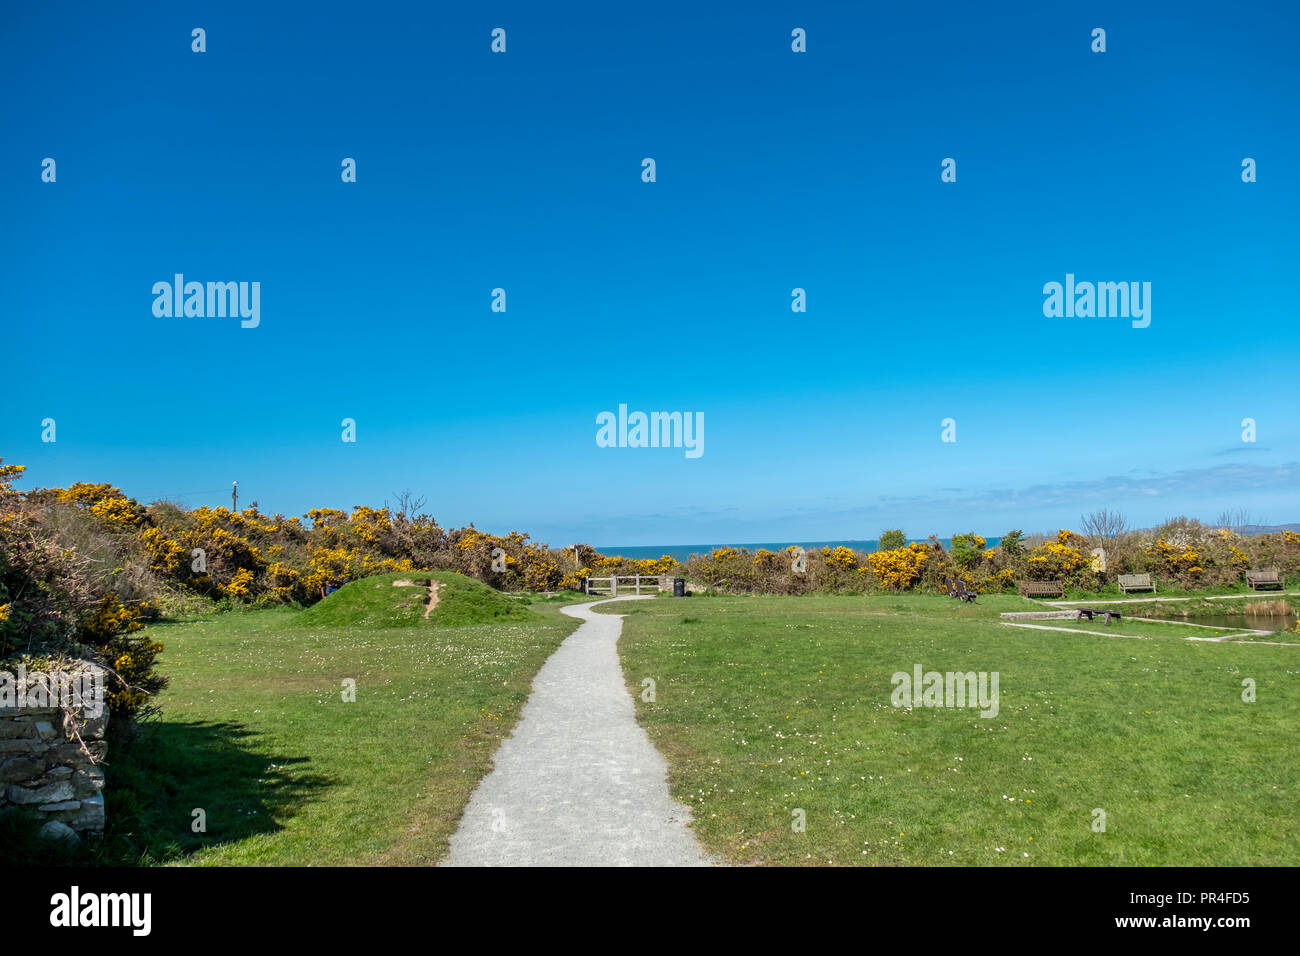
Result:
pixel 628 582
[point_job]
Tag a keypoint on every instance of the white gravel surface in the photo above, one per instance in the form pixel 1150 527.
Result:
pixel 578 783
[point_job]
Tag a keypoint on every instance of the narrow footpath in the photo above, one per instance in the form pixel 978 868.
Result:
pixel 578 783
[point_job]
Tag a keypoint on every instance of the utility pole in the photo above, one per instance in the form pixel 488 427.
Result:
pixel 234 497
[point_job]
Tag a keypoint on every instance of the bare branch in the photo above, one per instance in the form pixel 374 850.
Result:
pixel 1103 524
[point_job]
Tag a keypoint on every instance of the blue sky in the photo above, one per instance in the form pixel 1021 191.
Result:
pixel 775 170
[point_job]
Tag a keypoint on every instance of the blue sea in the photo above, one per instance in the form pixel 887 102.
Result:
pixel 683 551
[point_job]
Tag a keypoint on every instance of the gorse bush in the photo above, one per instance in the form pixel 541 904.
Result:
pixel 96 540
pixel 762 572
pixel 1202 557
pixel 967 550
pixel 73 576
pixel 901 569
pixel 112 629
pixel 1060 560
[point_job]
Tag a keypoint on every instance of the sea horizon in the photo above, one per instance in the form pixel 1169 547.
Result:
pixel 682 552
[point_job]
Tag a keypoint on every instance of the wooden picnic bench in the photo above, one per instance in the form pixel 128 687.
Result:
pixel 1088 612
pixel 1041 589
pixel 1270 578
pixel 1136 582
pixel 958 589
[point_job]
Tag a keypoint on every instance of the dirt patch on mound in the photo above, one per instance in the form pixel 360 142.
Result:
pixel 431 600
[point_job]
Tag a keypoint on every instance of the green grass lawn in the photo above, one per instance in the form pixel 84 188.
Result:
pixel 767 705
pixel 255 731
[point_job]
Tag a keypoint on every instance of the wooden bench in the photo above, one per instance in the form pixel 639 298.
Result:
pixel 1088 612
pixel 1041 589
pixel 1136 582
pixel 1269 579
pixel 958 589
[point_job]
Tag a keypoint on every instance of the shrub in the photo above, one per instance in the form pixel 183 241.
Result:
pixel 1059 559
pixel 891 540
pixel 111 628
pixel 900 568
pixel 1013 542
pixel 967 550
pixel 60 579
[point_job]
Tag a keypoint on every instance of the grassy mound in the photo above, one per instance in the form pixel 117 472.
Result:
pixel 376 602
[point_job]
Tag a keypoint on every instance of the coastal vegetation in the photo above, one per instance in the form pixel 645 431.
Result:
pixel 256 619
pixel 83 569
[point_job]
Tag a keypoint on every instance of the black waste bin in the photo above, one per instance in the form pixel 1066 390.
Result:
pixel 679 587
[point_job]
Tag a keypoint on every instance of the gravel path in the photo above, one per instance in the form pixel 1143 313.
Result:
pixel 578 783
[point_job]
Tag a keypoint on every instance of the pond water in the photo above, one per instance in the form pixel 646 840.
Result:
pixel 1263 622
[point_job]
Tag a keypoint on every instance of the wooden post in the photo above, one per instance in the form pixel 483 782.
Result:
pixel 234 497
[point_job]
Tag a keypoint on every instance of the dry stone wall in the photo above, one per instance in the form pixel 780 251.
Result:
pixel 51 756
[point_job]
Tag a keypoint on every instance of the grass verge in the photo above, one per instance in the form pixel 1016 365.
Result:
pixel 766 706
pixel 255 733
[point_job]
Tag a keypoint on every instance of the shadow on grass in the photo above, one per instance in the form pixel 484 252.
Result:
pixel 153 785
pixel 157 781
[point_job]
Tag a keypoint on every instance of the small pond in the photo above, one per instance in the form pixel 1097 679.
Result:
pixel 1263 622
